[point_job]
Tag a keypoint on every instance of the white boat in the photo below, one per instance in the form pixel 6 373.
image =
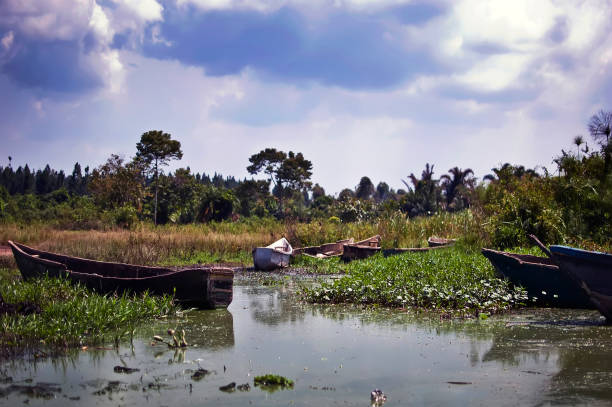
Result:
pixel 273 256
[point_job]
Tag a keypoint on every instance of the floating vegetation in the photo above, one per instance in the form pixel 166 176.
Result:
pixel 453 281
pixel 272 382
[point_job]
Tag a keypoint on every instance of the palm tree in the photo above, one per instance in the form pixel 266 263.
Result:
pixel 424 193
pixel 455 186
pixel 578 141
pixel 600 127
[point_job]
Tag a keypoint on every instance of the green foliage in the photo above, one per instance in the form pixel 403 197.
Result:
pixel 72 315
pixel 272 382
pixel 522 207
pixel 216 204
pixel 452 281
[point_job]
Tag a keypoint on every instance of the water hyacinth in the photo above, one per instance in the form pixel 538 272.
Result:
pixel 453 280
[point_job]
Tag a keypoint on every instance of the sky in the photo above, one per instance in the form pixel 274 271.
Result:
pixel 361 88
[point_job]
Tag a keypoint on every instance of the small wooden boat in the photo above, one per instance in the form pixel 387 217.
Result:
pixel 440 241
pixel 273 256
pixel 323 251
pixel 204 287
pixel 362 249
pixel 591 271
pixel 541 277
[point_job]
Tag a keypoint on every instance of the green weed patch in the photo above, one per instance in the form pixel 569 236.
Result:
pixel 452 281
pixel 62 314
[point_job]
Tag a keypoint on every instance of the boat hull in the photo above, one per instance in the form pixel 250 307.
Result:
pixel 541 278
pixel 323 251
pixel 267 259
pixel 591 271
pixel 206 287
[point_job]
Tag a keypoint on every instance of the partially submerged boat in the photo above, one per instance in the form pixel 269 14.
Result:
pixel 325 250
pixel 591 272
pixel 362 249
pixel 545 284
pixel 203 287
pixel 273 256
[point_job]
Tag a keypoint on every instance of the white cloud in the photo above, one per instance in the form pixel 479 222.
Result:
pixel 7 40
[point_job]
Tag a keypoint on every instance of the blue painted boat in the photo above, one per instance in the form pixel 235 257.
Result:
pixel 546 285
pixel 591 271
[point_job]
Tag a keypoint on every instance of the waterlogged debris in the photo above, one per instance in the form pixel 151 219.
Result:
pixel 176 343
pixel 244 387
pixel 228 388
pixel 45 391
pixel 377 397
pixel 125 369
pixel 200 374
pixel 273 382
pixel 112 387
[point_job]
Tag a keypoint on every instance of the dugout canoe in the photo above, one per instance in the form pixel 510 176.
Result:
pixel 323 251
pixel 273 256
pixel 202 287
pixel 591 272
pixel 362 249
pixel 546 285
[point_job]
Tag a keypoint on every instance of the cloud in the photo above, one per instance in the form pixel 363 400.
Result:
pixel 338 49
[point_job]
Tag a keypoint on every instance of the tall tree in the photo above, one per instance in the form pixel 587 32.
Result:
pixel 600 127
pixel 455 187
pixel 289 172
pixel 116 183
pixel 365 189
pixel 156 149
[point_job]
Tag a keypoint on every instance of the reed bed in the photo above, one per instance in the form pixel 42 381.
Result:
pixel 173 244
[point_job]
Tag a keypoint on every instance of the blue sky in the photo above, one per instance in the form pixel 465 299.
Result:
pixel 375 88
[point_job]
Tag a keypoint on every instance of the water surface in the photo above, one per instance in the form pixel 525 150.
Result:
pixel 336 355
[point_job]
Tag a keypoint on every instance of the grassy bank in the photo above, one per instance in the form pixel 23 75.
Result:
pixel 455 281
pixel 52 312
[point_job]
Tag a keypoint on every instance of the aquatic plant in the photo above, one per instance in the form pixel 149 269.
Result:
pixel 455 281
pixel 272 382
pixel 69 315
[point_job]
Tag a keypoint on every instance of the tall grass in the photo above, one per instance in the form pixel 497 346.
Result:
pixel 72 315
pixel 148 244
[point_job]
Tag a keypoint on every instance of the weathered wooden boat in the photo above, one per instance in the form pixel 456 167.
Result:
pixel 362 249
pixel 273 256
pixel 440 241
pixel 591 271
pixel 203 287
pixel 546 285
pixel 325 250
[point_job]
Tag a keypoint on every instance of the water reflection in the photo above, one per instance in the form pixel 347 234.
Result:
pixel 336 355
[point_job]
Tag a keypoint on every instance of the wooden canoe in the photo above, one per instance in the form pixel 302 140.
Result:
pixel 273 256
pixel 325 250
pixel 362 249
pixel 440 241
pixel 203 287
pixel 591 272
pixel 541 277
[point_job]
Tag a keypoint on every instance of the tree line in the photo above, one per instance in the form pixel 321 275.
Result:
pixel 575 200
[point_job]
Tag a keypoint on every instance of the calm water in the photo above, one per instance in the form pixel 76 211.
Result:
pixel 337 356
